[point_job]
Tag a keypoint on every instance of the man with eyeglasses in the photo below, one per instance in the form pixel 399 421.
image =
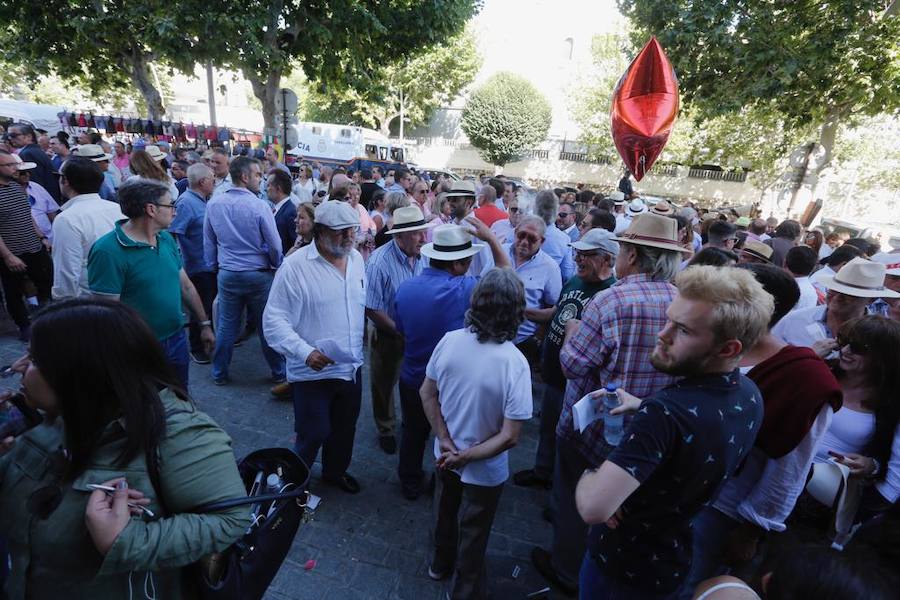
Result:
pixel 138 263
pixel 595 261
pixel 567 221
pixel 504 229
pixel 23 139
pixel 22 246
pixel 540 275
pixel 420 196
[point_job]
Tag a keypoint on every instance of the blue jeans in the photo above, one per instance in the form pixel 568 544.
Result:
pixel 325 415
pixel 593 584
pixel 176 348
pixel 710 530
pixel 239 290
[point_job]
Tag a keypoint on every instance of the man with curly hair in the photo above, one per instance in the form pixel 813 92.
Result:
pixel 476 395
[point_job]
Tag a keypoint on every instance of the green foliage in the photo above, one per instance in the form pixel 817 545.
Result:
pixel 505 117
pixel 334 42
pixel 806 60
pixel 871 151
pixel 425 80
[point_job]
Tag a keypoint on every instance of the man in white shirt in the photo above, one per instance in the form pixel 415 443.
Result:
pixel 218 162
pixel 504 229
pixel 476 394
pixel 83 219
pixel 799 262
pixel 315 318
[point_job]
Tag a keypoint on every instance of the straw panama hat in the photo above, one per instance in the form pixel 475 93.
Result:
pixel 891 262
pixel 91 152
pixel 408 218
pixel 617 197
pixel 861 278
pixel 462 187
pixel 451 242
pixel 662 208
pixel 758 250
pixel 635 208
pixel 154 152
pixel 655 231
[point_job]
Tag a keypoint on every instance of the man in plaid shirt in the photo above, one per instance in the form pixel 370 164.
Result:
pixel 610 345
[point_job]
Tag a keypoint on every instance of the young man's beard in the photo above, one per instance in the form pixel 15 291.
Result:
pixel 684 367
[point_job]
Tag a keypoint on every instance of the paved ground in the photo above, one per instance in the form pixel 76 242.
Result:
pixel 374 545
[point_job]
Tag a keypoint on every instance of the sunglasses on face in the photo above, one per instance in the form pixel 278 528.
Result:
pixel 527 236
pixel 563 215
pixel 513 209
pixel 855 347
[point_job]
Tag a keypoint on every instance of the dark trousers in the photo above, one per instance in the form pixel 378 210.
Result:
pixel 413 436
pixel 205 284
pixel 39 270
pixel 387 354
pixel 176 349
pixel 569 530
pixel 325 414
pixel 463 515
pixel 551 406
pixel 531 349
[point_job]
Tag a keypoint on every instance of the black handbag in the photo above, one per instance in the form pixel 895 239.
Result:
pixel 244 570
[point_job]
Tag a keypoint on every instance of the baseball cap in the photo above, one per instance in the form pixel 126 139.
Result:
pixel 598 239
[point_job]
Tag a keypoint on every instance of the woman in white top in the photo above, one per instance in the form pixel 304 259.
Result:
pixel 863 433
pixel 304 187
pixel 377 210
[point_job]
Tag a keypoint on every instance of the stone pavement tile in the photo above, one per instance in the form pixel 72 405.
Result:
pixel 418 588
pixel 374 580
pixel 296 584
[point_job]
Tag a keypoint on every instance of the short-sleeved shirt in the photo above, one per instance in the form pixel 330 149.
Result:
pixel 145 278
pixel 479 385
pixel 188 226
pixel 427 307
pixel 682 443
pixel 542 281
pixel 574 297
pixel 386 269
pixel 42 206
pixel 16 223
pixel 490 214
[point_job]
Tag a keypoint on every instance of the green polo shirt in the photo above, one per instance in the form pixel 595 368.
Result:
pixel 145 278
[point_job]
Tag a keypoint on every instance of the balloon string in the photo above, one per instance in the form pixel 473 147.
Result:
pixel 643 161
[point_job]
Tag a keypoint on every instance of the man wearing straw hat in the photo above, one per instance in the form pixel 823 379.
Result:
pixel 850 291
pixel 611 345
pixel 388 267
pixel 95 153
pixel 427 307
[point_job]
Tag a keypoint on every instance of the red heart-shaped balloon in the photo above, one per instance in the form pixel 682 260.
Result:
pixel 644 107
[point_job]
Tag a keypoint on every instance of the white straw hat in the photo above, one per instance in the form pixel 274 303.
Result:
pixel 860 277
pixel 451 242
pixel 407 218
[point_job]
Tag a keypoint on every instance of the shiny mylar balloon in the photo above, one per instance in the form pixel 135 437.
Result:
pixel 644 107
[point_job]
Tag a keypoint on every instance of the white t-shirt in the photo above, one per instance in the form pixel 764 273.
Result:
pixel 478 386
pixel 808 295
pixel 850 432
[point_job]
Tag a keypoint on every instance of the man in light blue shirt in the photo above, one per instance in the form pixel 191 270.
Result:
pixel 388 267
pixel 187 227
pixel 241 241
pixel 556 243
pixel 540 275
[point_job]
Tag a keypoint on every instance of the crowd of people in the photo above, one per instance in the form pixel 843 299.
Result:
pixel 754 365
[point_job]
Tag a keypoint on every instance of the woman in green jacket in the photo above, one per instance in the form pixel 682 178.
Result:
pixel 112 405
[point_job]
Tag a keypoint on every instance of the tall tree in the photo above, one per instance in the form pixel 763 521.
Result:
pixel 101 45
pixel 505 117
pixel 818 64
pixel 415 85
pixel 335 42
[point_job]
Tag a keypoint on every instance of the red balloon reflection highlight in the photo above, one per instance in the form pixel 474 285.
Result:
pixel 644 107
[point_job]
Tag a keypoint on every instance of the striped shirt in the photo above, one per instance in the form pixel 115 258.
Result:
pixel 16 223
pixel 613 346
pixel 387 268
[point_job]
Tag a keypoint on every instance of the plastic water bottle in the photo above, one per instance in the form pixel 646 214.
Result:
pixel 613 425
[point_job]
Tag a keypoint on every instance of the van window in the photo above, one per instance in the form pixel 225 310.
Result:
pixel 371 151
pixel 382 153
pixel 346 133
pixel 317 130
pixel 397 154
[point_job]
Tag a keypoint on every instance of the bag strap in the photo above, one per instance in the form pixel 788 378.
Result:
pixel 153 472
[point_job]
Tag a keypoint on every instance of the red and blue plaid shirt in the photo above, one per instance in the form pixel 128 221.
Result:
pixel 612 345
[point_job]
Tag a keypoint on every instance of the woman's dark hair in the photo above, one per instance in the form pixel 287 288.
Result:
pixel 498 306
pixel 878 339
pixel 825 574
pixel 779 284
pixel 789 229
pixel 715 257
pixel 602 219
pixel 818 239
pixel 377 195
pixel 867 247
pixel 100 377
pixel 842 254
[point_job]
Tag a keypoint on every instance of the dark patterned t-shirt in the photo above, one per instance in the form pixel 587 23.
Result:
pixel 681 445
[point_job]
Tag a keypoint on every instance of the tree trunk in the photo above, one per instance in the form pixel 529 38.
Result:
pixel 817 159
pixel 143 81
pixel 265 91
pixel 384 123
